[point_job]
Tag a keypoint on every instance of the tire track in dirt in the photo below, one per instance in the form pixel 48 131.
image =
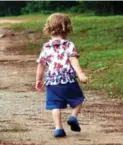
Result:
pixel 23 119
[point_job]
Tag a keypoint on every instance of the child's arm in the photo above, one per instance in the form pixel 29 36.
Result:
pixel 39 77
pixel 75 64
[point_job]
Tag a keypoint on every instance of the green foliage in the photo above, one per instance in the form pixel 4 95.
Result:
pixel 80 8
pixel 105 7
pixel 8 8
pixel 46 6
pixel 33 6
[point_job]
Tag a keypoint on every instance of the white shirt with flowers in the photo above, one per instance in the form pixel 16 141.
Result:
pixel 55 55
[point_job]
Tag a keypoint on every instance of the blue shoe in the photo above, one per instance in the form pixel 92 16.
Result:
pixel 73 122
pixel 59 133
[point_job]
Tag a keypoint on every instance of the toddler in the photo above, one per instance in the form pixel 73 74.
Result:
pixel 60 60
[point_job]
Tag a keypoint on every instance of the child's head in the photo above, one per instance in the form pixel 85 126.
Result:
pixel 58 25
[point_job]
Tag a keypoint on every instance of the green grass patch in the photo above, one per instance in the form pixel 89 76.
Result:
pixel 36 25
pixel 108 78
pixel 26 16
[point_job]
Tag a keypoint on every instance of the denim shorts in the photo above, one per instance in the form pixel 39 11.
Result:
pixel 59 96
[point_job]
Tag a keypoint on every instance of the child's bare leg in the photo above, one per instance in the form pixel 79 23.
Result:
pixel 76 110
pixel 56 113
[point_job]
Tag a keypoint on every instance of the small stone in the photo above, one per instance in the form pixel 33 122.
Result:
pixel 2 35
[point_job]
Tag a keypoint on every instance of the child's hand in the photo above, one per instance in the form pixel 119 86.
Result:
pixel 83 78
pixel 39 86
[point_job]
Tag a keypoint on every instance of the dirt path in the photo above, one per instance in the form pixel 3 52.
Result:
pixel 23 119
pixel 11 21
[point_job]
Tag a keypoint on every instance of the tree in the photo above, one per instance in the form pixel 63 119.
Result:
pixel 105 7
pixel 11 7
pixel 37 6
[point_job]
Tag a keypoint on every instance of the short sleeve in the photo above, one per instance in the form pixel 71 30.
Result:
pixel 71 51
pixel 42 57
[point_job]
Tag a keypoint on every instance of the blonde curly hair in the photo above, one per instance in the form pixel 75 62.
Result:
pixel 58 25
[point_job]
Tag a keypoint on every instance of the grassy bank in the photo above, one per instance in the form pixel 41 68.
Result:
pixel 100 42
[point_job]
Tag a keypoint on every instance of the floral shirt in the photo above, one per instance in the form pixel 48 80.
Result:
pixel 55 54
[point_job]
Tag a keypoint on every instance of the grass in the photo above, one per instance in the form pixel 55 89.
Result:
pixel 100 43
pixel 35 25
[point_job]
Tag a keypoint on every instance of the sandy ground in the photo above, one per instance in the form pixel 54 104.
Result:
pixel 23 119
